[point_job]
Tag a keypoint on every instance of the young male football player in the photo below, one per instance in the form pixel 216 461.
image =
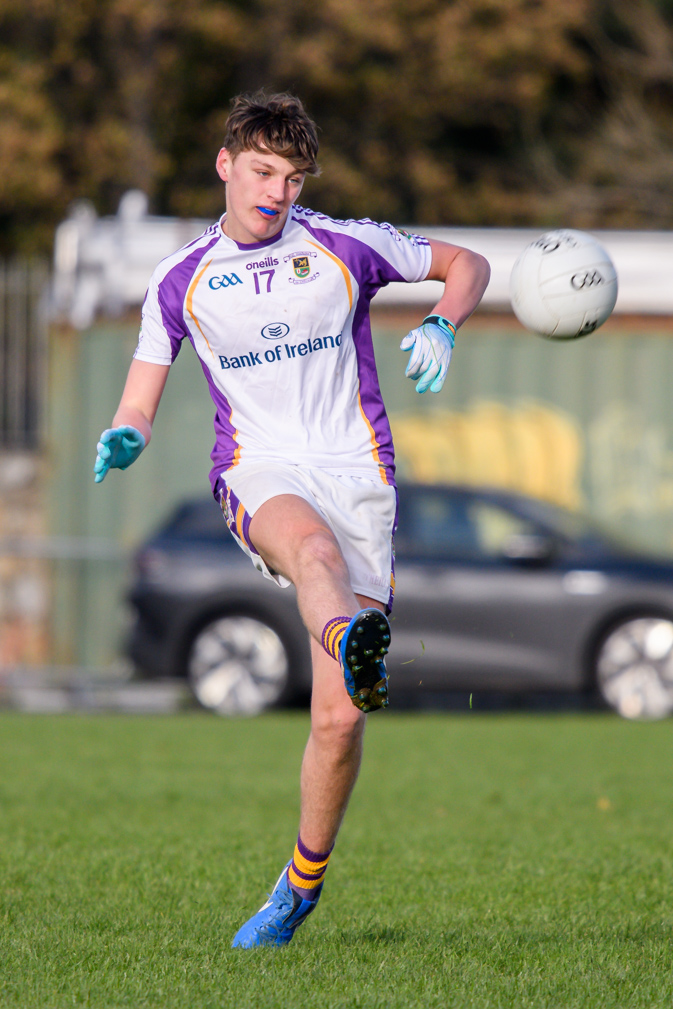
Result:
pixel 275 301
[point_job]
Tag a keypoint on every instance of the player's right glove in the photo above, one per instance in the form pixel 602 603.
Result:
pixel 117 449
pixel 430 345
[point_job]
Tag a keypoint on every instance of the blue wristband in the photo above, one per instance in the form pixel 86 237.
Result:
pixel 444 324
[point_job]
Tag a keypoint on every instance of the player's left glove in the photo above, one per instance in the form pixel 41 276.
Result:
pixel 430 345
pixel 117 449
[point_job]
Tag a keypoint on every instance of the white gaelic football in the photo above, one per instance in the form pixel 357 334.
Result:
pixel 563 286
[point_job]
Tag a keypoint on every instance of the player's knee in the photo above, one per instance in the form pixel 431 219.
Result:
pixel 320 547
pixel 339 727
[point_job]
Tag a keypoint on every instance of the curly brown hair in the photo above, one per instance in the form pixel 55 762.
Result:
pixel 277 123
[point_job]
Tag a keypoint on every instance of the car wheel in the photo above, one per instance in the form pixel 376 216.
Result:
pixel 238 665
pixel 635 668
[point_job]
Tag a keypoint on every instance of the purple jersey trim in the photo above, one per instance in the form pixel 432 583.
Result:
pixel 251 246
pixel 370 391
pixel 225 448
pixel 372 272
pixel 210 230
pixel 397 233
pixel 259 245
pixel 172 291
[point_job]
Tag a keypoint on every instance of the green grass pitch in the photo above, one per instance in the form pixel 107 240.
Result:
pixel 505 860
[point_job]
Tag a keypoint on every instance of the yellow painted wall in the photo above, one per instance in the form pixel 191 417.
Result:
pixel 531 447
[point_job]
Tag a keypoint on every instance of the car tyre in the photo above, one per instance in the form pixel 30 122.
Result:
pixel 238 665
pixel 634 667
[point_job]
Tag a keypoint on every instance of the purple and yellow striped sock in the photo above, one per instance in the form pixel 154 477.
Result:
pixel 307 871
pixel 332 634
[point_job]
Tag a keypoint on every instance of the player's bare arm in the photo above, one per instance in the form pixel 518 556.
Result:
pixel 120 445
pixel 465 275
pixel 141 396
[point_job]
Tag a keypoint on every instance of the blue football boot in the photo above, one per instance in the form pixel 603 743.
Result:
pixel 365 642
pixel 275 923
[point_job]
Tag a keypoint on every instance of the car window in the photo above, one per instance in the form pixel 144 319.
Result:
pixel 575 527
pixel 460 526
pixel 495 527
pixel 199 520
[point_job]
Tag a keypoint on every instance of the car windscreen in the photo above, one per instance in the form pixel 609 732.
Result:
pixel 574 527
pixel 436 523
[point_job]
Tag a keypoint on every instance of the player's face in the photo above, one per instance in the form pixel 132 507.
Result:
pixel 261 188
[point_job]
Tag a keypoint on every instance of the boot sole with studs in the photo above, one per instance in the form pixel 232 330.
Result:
pixel 363 651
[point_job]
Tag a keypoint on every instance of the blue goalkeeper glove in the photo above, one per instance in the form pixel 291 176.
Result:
pixel 117 449
pixel 430 345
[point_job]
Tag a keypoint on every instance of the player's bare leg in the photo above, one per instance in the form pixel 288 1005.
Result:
pixel 294 540
pixel 333 752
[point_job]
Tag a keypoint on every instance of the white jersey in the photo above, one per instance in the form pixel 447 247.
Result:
pixel 282 331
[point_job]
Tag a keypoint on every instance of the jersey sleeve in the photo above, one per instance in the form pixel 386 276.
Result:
pixel 161 334
pixel 376 254
pixel 400 255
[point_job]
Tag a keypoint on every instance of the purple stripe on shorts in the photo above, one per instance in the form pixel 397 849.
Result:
pixel 172 292
pixel 245 529
pixel 230 505
pixel 391 597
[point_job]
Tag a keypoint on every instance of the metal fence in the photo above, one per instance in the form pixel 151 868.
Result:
pixel 23 351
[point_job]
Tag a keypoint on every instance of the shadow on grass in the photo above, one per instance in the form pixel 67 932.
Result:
pixel 386 935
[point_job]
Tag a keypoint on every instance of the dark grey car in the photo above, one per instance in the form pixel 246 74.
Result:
pixel 495 592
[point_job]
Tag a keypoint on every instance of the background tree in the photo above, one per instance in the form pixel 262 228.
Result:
pixel 487 112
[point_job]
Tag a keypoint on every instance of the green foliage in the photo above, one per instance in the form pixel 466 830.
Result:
pixel 468 111
pixel 485 862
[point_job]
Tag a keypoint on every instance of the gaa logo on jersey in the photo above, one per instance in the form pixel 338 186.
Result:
pixel 275 331
pixel 230 280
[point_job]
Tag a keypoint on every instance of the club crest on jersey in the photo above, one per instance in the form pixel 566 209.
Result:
pixel 301 264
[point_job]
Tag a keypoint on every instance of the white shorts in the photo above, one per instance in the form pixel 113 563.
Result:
pixel 360 510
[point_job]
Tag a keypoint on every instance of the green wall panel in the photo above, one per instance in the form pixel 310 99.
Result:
pixel 612 389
